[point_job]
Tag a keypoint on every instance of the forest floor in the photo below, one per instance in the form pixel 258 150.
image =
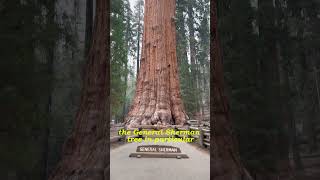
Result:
pixel 196 167
pixel 311 169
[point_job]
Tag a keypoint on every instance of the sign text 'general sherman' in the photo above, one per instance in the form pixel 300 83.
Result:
pixel 158 149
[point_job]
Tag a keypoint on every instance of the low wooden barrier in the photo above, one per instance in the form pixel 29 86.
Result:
pixel 203 139
pixel 115 139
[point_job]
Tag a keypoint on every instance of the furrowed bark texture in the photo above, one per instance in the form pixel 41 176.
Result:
pixel 225 160
pixel 85 153
pixel 157 99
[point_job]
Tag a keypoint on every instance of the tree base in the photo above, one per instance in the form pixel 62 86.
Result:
pixel 157 127
pixel 134 122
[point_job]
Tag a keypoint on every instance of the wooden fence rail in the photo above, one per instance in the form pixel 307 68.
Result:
pixel 203 139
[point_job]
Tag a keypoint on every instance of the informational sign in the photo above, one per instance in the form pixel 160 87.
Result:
pixel 158 149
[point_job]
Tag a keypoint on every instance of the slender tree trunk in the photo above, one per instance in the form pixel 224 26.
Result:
pixel 192 43
pixel 202 88
pixel 125 93
pixel 50 58
pixel 271 90
pixel 205 90
pixel 86 153
pixel 157 99
pixel 45 153
pixel 289 120
pixel 225 160
pixel 128 37
pixel 292 145
pixel 198 89
pixel 138 53
pixel 199 92
pixel 288 115
pixel 316 76
pixel 138 40
pixel 313 133
pixel 316 83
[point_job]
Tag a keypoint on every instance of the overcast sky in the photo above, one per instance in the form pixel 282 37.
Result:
pixel 132 3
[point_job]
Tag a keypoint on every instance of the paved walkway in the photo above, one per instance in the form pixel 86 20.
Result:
pixel 197 167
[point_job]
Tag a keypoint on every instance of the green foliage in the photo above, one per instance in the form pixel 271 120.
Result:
pixel 249 40
pixel 187 92
pixel 121 37
pixel 194 78
pixel 137 27
pixel 242 47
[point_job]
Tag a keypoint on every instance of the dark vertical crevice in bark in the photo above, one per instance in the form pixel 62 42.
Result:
pixel 89 24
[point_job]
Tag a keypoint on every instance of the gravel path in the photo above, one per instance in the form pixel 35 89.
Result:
pixel 197 167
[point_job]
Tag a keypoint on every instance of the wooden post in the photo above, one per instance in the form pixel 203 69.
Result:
pixel 122 138
pixel 201 136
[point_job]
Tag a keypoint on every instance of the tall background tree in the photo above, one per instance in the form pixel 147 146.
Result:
pixel 29 33
pixel 137 28
pixel 85 152
pixel 121 44
pixel 225 162
pixel 193 56
pixel 264 57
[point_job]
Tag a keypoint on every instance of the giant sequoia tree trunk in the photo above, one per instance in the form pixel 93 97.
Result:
pixel 85 153
pixel 225 162
pixel 157 99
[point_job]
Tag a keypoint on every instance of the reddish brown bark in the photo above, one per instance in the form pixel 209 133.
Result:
pixel 85 153
pixel 225 160
pixel 157 99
